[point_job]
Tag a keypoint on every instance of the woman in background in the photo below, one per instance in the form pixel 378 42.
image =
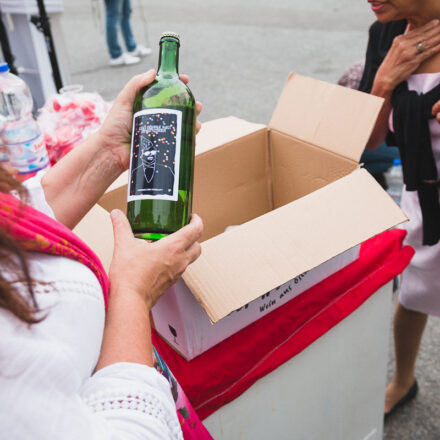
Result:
pixel 403 67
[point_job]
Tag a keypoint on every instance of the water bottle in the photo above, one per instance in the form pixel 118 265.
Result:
pixel 394 179
pixel 20 132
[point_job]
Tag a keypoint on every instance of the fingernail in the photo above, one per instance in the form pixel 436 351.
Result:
pixel 151 72
pixel 436 21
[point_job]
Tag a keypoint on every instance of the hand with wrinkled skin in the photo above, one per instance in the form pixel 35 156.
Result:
pixel 149 268
pixel 80 178
pixel 403 58
pixel 115 132
pixel 139 273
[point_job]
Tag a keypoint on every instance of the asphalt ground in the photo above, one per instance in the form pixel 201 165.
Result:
pixel 238 56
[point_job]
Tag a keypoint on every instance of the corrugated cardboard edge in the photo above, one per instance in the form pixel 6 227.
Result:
pixel 270 179
pixel 214 281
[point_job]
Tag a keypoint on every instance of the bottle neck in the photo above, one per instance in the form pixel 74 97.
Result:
pixel 168 58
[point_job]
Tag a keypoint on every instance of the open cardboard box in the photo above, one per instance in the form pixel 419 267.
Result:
pixel 299 200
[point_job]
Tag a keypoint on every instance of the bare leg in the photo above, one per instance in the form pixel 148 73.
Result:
pixel 408 331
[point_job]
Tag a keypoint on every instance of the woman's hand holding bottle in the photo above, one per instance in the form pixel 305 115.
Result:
pixel 148 269
pixel 139 273
pixel 115 133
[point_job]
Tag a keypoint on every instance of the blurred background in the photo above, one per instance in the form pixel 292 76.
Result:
pixel 238 56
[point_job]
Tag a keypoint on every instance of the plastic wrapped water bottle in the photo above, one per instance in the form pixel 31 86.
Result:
pixel 20 132
pixel 394 179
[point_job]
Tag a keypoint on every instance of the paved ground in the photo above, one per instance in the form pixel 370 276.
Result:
pixel 238 55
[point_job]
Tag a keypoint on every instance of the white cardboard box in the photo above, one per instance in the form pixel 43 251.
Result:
pixel 181 320
pixel 295 190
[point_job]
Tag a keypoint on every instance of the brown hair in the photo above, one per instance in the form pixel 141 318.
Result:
pixel 13 259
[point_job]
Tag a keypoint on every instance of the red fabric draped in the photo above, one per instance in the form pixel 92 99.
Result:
pixel 227 370
pixel 35 231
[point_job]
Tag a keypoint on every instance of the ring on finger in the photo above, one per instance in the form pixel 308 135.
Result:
pixel 419 47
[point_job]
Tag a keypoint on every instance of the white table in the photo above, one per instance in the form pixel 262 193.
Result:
pixel 333 390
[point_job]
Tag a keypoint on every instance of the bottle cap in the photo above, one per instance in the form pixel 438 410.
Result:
pixel 4 67
pixel 397 162
pixel 170 35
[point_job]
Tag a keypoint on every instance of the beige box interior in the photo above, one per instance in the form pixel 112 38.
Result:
pixel 294 188
pixel 232 182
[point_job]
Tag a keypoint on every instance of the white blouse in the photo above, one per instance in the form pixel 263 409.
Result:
pixel 47 386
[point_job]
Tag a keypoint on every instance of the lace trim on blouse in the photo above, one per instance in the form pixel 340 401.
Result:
pixel 141 401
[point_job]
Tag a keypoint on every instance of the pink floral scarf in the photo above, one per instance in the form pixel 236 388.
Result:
pixel 35 231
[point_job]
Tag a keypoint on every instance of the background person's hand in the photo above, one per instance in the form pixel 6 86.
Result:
pixel 148 269
pixel 115 132
pixel 404 58
pixel 436 111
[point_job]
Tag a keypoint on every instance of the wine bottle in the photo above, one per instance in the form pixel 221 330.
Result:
pixel 161 168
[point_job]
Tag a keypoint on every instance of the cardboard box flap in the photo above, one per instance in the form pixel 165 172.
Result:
pixel 96 230
pixel 238 266
pixel 213 134
pixel 223 131
pixel 327 115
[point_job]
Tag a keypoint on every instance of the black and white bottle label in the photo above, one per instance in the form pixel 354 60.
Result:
pixel 155 155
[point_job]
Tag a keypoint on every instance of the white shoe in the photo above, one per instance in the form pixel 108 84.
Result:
pixel 140 51
pixel 124 59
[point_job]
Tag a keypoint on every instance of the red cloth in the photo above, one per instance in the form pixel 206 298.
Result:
pixel 221 374
pixel 35 231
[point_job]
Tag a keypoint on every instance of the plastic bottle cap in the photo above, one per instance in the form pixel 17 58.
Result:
pixel 397 162
pixel 4 67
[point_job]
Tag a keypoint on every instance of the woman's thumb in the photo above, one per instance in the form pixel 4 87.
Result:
pixel 121 228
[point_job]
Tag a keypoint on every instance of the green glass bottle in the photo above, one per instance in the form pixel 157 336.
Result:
pixel 162 150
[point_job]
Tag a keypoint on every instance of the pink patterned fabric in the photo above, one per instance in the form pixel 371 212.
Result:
pixel 35 231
